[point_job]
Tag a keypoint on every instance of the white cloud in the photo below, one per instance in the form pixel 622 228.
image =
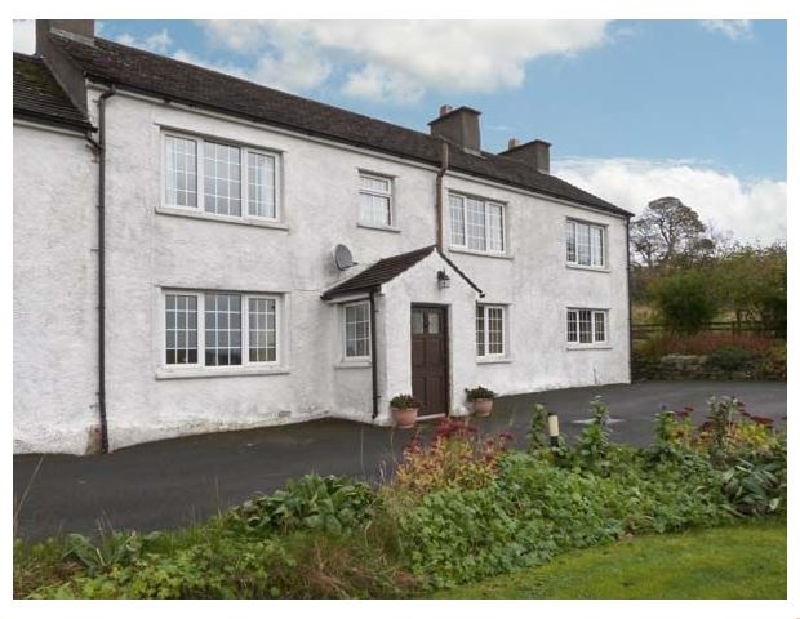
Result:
pixel 752 210
pixel 398 60
pixel 158 42
pixel 731 28
pixel 24 36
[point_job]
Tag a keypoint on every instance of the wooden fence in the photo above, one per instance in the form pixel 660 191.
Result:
pixel 754 328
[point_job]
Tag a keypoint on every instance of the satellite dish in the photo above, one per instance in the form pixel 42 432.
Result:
pixel 342 257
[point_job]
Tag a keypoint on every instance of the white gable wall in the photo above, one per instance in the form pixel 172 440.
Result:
pixel 55 315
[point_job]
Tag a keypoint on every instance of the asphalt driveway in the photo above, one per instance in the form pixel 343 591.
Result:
pixel 171 483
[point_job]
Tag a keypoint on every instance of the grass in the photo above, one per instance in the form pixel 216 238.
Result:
pixel 741 562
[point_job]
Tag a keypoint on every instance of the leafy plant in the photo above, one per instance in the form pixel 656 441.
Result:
pixel 331 504
pixel 479 393
pixel 112 550
pixel 404 401
pixel 754 489
pixel 538 430
pixel 592 449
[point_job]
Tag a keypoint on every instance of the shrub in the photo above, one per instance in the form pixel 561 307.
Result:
pixel 703 343
pixel 538 429
pixel 731 358
pixel 404 401
pixel 455 458
pixel 477 393
pixel 774 362
pixel 331 504
pixel 685 301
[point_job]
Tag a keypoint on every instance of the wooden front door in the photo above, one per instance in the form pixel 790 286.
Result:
pixel 429 359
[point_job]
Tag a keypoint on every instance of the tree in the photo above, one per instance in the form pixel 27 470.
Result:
pixel 670 233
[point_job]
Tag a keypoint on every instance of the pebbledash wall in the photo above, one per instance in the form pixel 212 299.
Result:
pixel 151 248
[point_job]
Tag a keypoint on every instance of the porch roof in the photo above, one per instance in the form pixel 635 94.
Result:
pixel 386 269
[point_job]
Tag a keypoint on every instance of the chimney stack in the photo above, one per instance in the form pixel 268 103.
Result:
pixel 460 126
pixel 68 76
pixel 536 154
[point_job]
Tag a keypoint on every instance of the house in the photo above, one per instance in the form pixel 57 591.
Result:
pixel 194 252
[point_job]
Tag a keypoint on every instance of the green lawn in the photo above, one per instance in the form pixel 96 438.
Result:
pixel 742 562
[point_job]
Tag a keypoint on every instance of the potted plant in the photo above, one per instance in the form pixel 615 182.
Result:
pixel 404 410
pixel 482 400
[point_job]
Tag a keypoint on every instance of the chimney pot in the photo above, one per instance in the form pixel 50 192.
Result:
pixel 512 143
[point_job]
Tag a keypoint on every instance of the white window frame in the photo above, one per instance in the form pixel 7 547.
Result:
pixel 484 308
pixel 604 343
pixel 603 228
pixel 486 202
pixel 365 174
pixel 200 296
pixel 244 185
pixel 343 326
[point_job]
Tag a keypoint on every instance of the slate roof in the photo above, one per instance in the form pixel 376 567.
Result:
pixel 145 72
pixel 387 269
pixel 38 96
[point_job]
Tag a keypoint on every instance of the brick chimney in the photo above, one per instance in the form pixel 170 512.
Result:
pixel 535 154
pixel 68 76
pixel 460 126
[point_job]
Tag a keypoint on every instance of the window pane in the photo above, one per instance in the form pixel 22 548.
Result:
pixel 597 246
pixel 585 327
pixel 480 334
pixel 223 339
pixel 416 322
pixel 223 178
pixel 494 214
pixel 357 330
pixel 476 224
pixel 457 236
pixel 599 326
pixel 433 323
pixel 572 326
pixel 495 318
pixel 261 185
pixel 180 329
pixel 375 210
pixel 180 165
pixel 262 330
pixel 570 234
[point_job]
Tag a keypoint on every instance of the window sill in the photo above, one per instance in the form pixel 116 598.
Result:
pixel 482 361
pixel 352 365
pixel 580 267
pixel 242 221
pixel 379 228
pixel 589 347
pixel 164 374
pixel 482 254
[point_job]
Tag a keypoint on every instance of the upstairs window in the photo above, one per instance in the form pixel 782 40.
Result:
pixel 220 179
pixel 586 244
pixel 477 224
pixel 375 194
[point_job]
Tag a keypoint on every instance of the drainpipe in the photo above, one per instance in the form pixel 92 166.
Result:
pixel 440 196
pixel 101 269
pixel 630 323
pixel 374 346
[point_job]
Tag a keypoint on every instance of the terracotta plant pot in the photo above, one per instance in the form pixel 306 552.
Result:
pixel 405 417
pixel 482 407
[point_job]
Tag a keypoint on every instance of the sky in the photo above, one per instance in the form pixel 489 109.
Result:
pixel 635 110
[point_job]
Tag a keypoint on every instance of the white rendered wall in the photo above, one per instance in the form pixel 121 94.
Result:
pixel 149 251
pixel 55 315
